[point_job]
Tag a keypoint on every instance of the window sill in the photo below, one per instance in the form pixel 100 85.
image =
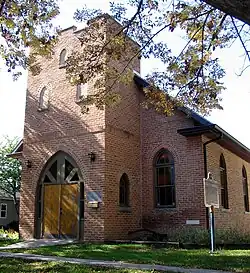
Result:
pixel 62 66
pixel 166 208
pixel 82 99
pixel 225 210
pixel 125 209
pixel 42 109
pixel 247 212
pixel 79 101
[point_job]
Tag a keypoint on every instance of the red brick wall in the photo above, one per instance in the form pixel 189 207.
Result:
pixel 159 132
pixel 122 148
pixel 235 217
pixel 113 135
pixel 125 139
pixel 61 127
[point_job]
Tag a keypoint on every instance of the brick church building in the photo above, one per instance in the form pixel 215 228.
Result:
pixel 101 175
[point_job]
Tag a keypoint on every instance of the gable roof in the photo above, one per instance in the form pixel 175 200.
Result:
pixel 205 127
pixel 6 196
pixel 17 151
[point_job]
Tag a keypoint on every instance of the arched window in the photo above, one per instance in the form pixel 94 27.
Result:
pixel 61 169
pixel 62 59
pixel 124 191
pixel 81 91
pixel 223 182
pixel 59 197
pixel 164 179
pixel 245 189
pixel 44 99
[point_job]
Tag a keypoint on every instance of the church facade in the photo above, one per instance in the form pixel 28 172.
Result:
pixel 100 175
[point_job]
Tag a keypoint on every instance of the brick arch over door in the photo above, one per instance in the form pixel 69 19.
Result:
pixel 58 198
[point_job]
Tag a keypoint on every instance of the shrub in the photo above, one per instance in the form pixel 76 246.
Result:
pixel 201 236
pixel 9 234
pixel 232 236
pixel 189 235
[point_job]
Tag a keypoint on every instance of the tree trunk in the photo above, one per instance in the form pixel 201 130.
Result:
pixel 239 9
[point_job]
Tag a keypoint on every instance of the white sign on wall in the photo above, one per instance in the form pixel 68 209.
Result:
pixel 192 222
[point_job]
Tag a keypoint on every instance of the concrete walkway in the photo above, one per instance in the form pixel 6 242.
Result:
pixel 106 263
pixel 35 243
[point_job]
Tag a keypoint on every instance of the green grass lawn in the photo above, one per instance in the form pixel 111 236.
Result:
pixel 232 260
pixel 6 242
pixel 24 266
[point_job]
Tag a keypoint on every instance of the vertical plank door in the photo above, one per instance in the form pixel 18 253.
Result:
pixel 51 210
pixel 69 210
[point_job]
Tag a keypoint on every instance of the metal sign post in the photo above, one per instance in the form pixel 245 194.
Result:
pixel 212 229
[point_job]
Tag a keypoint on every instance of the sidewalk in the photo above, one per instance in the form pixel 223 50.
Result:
pixel 35 243
pixel 106 263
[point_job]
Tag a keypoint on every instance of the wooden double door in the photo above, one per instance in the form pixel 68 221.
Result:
pixel 60 213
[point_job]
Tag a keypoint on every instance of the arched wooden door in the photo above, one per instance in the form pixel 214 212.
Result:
pixel 58 198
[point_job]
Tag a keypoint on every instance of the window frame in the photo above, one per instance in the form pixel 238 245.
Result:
pixel 81 200
pixel 126 204
pixel 172 171
pixel 62 61
pixel 78 92
pixel 224 202
pixel 6 210
pixel 44 97
pixel 245 186
pixel 81 91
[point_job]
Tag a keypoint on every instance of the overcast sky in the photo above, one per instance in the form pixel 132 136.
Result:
pixel 236 98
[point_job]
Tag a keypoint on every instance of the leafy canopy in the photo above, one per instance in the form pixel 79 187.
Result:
pixel 194 76
pixel 24 24
pixel 10 169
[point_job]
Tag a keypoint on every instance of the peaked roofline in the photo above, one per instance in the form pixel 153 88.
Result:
pixel 206 127
pixel 17 151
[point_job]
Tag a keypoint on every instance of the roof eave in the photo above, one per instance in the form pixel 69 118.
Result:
pixel 208 127
pixel 15 155
pixel 196 130
pixel 227 141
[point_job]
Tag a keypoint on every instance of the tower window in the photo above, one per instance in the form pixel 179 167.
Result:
pixel 62 58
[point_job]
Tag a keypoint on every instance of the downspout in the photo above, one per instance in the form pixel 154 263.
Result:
pixel 141 178
pixel 205 152
pixel 205 164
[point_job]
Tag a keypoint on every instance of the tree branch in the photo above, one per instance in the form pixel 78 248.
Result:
pixel 241 40
pixel 2 6
pixel 151 38
pixel 134 16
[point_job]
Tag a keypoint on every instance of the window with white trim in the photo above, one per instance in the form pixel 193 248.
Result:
pixel 44 99
pixel 62 58
pixel 81 91
pixel 3 210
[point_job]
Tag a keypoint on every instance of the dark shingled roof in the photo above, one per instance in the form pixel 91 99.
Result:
pixel 205 127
